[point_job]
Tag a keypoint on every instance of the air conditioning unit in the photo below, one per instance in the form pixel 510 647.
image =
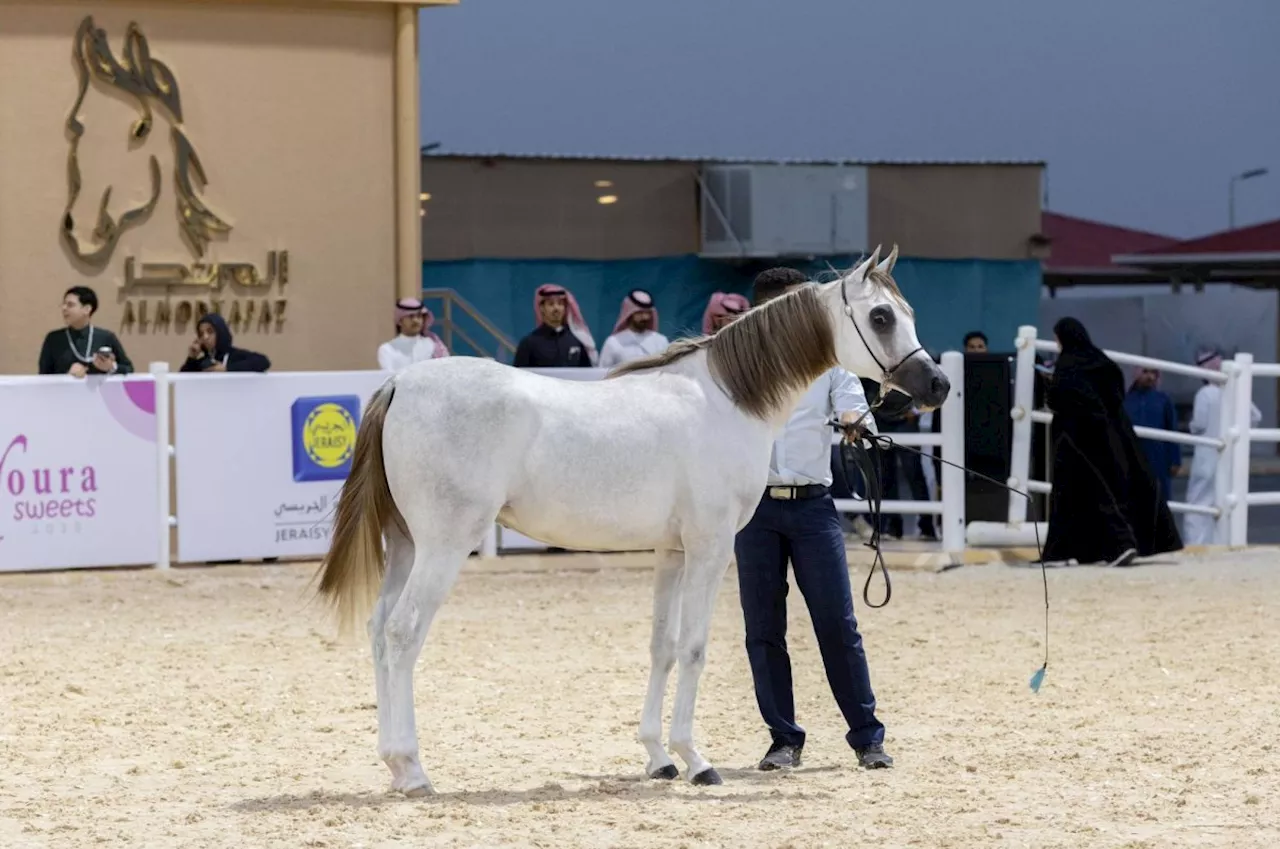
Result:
pixel 778 210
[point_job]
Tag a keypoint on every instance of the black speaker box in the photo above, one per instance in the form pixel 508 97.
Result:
pixel 988 434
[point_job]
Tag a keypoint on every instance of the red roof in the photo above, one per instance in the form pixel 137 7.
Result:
pixel 1258 239
pixel 1081 245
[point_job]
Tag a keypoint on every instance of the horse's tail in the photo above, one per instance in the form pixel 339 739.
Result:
pixel 351 571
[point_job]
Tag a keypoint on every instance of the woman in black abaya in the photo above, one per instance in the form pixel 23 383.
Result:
pixel 1106 506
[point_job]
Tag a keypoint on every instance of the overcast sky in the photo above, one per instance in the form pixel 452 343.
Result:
pixel 1143 109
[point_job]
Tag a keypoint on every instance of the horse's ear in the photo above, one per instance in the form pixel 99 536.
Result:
pixel 873 261
pixel 859 273
pixel 890 261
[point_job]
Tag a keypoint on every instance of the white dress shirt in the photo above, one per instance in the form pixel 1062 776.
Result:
pixel 802 453
pixel 627 345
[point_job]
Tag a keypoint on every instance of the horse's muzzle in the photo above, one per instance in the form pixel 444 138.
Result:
pixel 922 379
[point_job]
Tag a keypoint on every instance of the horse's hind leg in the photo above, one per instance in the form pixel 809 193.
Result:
pixel 435 568
pixel 662 651
pixel 399 564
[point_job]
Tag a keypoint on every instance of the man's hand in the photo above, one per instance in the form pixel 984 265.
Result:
pixel 216 367
pixel 77 370
pixel 1173 470
pixel 195 351
pixel 853 424
pixel 104 363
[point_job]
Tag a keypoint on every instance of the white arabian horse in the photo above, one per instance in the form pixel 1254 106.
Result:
pixel 447 447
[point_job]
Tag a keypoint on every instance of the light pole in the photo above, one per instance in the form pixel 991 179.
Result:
pixel 1231 192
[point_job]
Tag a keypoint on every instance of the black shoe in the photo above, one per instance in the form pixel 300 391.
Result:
pixel 781 756
pixel 873 757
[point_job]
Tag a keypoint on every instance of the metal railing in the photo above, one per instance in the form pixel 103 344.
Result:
pixel 449 326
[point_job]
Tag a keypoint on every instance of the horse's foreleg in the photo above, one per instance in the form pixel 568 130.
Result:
pixel 430 580
pixel 662 652
pixel 704 570
pixel 399 565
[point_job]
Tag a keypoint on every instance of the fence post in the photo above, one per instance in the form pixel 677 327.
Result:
pixel 1222 470
pixel 952 482
pixel 1238 532
pixel 1023 401
pixel 160 371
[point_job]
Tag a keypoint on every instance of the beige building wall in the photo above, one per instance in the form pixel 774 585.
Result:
pixel 955 211
pixel 291 111
pixel 547 208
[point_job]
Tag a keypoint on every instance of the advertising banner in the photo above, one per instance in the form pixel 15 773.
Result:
pixel 78 466
pixel 260 459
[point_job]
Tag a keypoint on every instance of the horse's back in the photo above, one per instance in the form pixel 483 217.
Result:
pixel 579 463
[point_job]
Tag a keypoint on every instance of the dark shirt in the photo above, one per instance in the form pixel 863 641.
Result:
pixel 57 356
pixel 1153 408
pixel 550 347
pixel 238 359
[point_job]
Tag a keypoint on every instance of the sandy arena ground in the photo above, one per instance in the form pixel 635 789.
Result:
pixel 212 707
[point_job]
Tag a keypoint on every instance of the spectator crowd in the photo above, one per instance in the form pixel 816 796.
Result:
pixel 1102 472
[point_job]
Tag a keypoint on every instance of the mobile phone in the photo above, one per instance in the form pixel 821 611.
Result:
pixel 105 351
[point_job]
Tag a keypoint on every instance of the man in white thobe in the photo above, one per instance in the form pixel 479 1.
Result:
pixel 1198 529
pixel 635 333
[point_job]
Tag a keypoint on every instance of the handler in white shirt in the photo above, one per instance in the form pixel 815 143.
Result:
pixel 415 342
pixel 796 520
pixel 635 334
pixel 802 453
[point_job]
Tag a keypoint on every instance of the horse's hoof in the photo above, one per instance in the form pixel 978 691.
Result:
pixel 707 777
pixel 419 791
pixel 667 773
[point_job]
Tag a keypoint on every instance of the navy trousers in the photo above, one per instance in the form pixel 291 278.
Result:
pixel 806 532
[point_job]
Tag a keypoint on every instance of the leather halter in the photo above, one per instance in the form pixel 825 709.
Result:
pixel 886 375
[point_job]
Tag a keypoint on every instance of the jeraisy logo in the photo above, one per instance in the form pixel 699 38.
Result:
pixel 324 436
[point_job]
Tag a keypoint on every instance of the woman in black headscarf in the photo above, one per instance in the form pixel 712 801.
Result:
pixel 1106 506
pixel 212 349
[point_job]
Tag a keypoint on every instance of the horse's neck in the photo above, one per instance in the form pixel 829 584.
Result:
pixel 700 369
pixel 783 414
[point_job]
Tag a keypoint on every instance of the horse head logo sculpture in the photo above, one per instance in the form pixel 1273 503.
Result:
pixel 143 79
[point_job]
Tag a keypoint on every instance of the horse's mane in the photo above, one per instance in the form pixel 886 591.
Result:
pixel 770 351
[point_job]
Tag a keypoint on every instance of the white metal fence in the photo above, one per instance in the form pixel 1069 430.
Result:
pixel 1232 497
pixel 949 509
pixel 76 498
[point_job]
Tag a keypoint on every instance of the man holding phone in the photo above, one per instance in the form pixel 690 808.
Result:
pixel 80 348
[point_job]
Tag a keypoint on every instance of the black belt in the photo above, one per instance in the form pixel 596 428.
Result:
pixel 796 493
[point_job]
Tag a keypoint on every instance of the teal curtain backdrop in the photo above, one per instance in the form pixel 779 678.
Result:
pixel 950 297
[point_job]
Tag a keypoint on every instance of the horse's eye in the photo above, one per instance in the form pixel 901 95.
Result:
pixel 881 318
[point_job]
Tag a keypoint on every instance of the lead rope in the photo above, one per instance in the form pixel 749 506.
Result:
pixel 869 467
pixel 874 474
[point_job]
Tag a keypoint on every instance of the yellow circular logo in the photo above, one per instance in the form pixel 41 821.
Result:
pixel 329 435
